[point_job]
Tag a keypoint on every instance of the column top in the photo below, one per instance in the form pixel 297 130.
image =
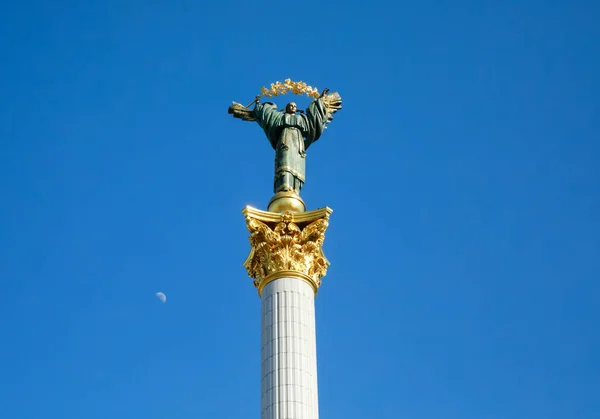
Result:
pixel 276 217
pixel 286 244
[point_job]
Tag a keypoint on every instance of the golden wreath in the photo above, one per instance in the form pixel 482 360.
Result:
pixel 297 88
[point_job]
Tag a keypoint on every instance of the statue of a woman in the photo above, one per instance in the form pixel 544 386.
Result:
pixel 290 133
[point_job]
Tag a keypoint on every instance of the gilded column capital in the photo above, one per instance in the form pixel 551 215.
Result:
pixel 286 245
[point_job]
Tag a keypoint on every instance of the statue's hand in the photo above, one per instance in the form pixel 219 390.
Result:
pixel 257 99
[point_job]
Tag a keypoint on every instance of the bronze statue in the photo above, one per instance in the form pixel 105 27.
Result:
pixel 290 132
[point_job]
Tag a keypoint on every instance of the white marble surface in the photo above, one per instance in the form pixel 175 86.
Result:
pixel 289 351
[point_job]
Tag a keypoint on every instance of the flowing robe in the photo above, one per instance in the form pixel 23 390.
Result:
pixel 291 135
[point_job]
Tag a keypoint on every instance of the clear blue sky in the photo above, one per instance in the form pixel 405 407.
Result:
pixel 463 173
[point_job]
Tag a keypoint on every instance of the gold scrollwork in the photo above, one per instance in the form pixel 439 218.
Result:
pixel 286 244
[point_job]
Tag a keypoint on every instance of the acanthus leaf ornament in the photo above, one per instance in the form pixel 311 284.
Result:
pixel 286 244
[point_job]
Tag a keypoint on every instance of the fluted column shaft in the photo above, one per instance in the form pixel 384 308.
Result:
pixel 289 351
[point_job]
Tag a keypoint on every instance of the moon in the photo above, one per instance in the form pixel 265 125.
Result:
pixel 161 296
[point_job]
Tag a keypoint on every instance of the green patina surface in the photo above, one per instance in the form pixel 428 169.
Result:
pixel 291 135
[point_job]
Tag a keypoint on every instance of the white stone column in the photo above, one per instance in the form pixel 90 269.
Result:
pixel 287 263
pixel 289 351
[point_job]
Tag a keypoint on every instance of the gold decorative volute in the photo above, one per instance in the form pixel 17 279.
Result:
pixel 286 244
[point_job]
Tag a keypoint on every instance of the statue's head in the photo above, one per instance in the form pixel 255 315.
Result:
pixel 291 108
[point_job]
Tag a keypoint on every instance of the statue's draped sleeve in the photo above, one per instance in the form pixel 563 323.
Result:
pixel 269 119
pixel 317 118
pixel 310 124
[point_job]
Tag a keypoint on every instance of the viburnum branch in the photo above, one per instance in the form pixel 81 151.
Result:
pixel 296 87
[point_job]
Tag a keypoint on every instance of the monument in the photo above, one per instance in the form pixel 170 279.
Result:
pixel 286 259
